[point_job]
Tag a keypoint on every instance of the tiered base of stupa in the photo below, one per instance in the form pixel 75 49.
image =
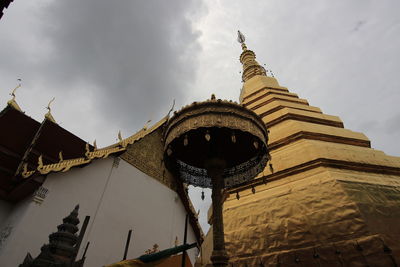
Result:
pixel 327 200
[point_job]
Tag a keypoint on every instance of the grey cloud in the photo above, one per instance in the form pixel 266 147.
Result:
pixel 136 55
pixel 132 51
pixel 358 25
pixel 392 125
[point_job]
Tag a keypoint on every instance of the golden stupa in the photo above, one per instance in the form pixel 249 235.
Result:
pixel 326 199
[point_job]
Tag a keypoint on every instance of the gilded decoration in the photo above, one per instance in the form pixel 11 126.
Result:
pixel 322 217
pixel 206 114
pixel 66 164
pixel 48 114
pixel 147 156
pixel 217 114
pixel 216 144
pixel 12 103
pixel 251 67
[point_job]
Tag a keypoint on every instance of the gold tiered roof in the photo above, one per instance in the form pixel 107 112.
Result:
pixel 327 199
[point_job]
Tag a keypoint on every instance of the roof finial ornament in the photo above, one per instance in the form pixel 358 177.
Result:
pixel 48 114
pixel 119 136
pixel 95 144
pixel 12 101
pixel 87 150
pixel 60 157
pixel 48 105
pixel 40 162
pixel 241 40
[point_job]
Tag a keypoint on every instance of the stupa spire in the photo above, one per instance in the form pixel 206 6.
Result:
pixel 251 67
pixel 241 40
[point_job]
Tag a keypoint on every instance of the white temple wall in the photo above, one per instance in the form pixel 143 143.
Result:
pixel 65 190
pixel 11 217
pixel 117 197
pixel 134 200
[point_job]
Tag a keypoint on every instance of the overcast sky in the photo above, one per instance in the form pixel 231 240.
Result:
pixel 113 65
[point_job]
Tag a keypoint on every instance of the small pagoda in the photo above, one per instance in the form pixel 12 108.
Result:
pixel 62 248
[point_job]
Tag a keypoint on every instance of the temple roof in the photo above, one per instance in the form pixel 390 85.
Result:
pixel 30 150
pixel 22 141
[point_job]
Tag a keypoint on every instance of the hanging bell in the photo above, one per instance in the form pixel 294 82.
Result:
pixel 169 151
pixel 208 136
pixel 202 195
pixel 233 137
pixel 253 189
pixel 185 141
pixel 255 144
pixel 237 196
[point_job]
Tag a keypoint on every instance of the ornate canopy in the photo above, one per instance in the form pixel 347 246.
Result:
pixel 216 129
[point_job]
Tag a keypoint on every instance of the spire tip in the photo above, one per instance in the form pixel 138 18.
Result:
pixel 241 40
pixel 241 37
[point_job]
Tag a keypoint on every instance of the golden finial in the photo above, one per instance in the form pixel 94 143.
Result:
pixel 48 114
pixel 60 157
pixel 241 40
pixel 48 105
pixel 12 101
pixel 24 170
pixel 40 162
pixel 95 144
pixel 13 91
pixel 119 136
pixel 87 150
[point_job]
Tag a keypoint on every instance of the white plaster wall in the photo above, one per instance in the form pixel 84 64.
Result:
pixel 116 198
pixel 12 215
pixel 35 222
pixel 136 201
